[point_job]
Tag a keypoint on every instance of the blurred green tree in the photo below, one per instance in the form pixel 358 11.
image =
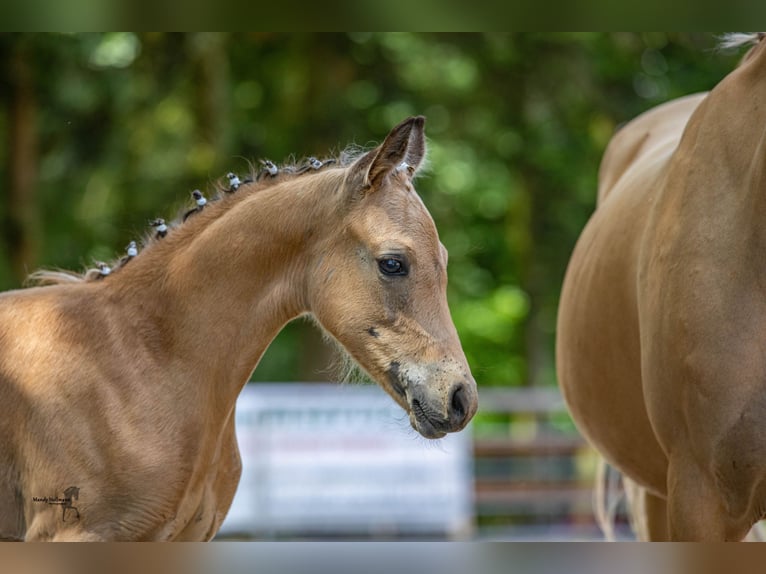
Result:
pixel 106 131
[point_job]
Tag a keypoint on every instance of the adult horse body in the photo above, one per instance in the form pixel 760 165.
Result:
pixel 661 343
pixel 124 387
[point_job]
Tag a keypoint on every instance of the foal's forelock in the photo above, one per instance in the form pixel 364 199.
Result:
pixel 225 193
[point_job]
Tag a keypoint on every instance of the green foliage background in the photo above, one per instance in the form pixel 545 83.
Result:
pixel 123 126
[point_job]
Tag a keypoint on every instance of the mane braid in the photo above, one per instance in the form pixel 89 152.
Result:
pixel 222 198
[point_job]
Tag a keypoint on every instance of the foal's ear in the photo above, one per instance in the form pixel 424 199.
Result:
pixel 403 148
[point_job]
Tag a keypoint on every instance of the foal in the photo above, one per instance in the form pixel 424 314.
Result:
pixel 123 385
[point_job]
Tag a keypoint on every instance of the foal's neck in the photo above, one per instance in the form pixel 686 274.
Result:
pixel 224 285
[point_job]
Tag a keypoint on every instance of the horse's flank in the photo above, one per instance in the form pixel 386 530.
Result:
pixel 659 342
pixel 125 386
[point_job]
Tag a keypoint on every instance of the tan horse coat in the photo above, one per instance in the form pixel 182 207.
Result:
pixel 661 344
pixel 124 388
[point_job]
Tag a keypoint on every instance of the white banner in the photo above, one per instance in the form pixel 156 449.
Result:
pixel 342 460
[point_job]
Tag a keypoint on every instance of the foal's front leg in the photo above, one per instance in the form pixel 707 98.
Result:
pixel 77 536
pixel 41 532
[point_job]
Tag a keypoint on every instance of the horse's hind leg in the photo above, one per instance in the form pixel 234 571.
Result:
pixel 656 510
pixel 648 513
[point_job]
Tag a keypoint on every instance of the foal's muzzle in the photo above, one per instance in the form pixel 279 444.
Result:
pixel 435 414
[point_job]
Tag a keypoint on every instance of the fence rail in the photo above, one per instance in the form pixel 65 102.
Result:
pixel 537 485
pixel 530 400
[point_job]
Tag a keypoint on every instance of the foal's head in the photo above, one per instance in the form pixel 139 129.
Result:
pixel 379 287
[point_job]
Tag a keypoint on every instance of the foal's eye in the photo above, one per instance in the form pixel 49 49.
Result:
pixel 392 266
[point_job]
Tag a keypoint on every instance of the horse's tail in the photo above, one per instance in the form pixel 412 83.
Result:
pixel 610 490
pixel 606 497
pixel 635 504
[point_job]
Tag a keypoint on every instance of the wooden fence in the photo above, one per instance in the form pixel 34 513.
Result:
pixel 534 475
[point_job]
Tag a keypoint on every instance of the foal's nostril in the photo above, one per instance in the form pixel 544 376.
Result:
pixel 459 405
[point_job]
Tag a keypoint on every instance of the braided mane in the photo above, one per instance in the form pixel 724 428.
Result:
pixel 223 197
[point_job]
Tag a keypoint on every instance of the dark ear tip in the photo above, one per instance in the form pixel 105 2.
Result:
pixel 411 122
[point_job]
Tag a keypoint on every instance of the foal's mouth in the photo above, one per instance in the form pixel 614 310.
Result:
pixel 424 423
pixel 422 419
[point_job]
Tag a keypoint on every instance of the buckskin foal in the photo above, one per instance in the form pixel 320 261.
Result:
pixel 662 322
pixel 122 383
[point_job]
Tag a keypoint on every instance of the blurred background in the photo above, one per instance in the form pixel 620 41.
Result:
pixel 102 132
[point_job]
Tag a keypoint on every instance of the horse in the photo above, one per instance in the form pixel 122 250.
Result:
pixel 123 380
pixel 661 355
